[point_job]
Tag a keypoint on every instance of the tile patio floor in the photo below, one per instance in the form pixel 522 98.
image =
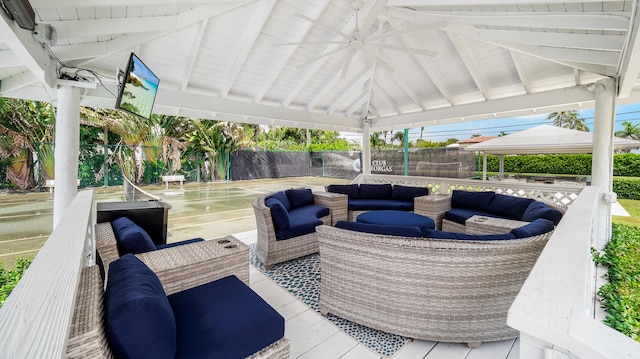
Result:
pixel 312 336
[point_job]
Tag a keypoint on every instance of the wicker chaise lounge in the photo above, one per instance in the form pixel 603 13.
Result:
pixel 271 251
pixel 422 288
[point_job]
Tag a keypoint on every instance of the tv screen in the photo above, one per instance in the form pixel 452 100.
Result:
pixel 138 88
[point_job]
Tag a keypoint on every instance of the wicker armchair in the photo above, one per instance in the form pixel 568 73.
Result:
pixel 87 337
pixel 431 289
pixel 186 266
pixel 271 251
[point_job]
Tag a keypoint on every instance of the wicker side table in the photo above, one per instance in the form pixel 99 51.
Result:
pixel 433 206
pixel 491 225
pixel 336 202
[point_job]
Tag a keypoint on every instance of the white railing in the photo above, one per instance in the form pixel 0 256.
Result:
pixel 555 311
pixel 563 195
pixel 36 318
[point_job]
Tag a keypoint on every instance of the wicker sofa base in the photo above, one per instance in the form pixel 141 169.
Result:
pixel 440 290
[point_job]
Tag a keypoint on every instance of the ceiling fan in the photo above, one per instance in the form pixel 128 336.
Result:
pixel 361 40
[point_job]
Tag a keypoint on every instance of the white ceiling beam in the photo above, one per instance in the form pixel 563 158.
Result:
pixel 426 66
pixel 317 65
pixel 397 78
pixel 383 95
pixel 355 90
pixel 437 3
pixel 30 53
pixel 254 31
pixel 541 20
pixel 329 85
pixel 356 105
pixel 290 50
pixel 9 59
pixel 469 63
pixel 195 48
pixel 555 39
pixel 630 63
pixel 101 49
pixel 487 109
pixel 98 27
pixel 520 69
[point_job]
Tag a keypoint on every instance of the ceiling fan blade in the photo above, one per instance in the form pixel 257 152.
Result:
pixel 307 43
pixel 324 26
pixel 408 49
pixel 347 63
pixel 325 55
pixel 434 25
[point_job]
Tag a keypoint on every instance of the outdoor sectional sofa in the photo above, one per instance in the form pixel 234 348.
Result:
pixel 453 213
pixel 286 222
pixel 371 197
pixel 438 289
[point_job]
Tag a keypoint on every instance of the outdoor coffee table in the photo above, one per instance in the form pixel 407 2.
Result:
pixel 491 225
pixel 397 218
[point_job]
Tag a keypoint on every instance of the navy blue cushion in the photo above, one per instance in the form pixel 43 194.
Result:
pixel 541 210
pixel 280 196
pixel 139 319
pixel 432 233
pixel 224 319
pixel 181 243
pixel 300 197
pixel 404 231
pixel 460 215
pixel 471 199
pixel 299 229
pixel 279 214
pixel 350 190
pixel 376 204
pixel 375 191
pixel 312 211
pixel 399 218
pixel 130 237
pixel 537 227
pixel 407 193
pixel 509 206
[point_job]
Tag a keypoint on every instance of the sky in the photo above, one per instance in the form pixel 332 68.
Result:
pixel 493 127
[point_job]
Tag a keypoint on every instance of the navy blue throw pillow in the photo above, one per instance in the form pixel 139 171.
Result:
pixel 541 210
pixel 280 196
pixel 139 319
pixel 508 206
pixel 130 237
pixel 350 190
pixel 537 227
pixel 279 214
pixel 471 199
pixel 375 191
pixel 407 193
pixel 299 197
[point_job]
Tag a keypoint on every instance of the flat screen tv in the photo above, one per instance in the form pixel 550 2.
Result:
pixel 138 88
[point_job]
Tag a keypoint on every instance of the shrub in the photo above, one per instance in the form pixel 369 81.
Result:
pixel 574 164
pixel 620 297
pixel 627 188
pixel 9 278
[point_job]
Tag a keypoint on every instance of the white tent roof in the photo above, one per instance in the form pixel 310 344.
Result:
pixel 545 139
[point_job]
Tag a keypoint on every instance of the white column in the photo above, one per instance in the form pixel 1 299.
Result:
pixel 484 166
pixel 366 147
pixel 501 175
pixel 67 149
pixel 602 160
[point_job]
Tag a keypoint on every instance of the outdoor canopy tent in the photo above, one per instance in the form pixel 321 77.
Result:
pixel 542 139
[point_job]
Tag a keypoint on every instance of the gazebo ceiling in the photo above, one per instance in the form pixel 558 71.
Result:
pixel 327 64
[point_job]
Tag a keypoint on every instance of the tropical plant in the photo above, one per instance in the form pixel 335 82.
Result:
pixel 398 136
pixel 568 119
pixel 629 131
pixel 216 140
pixel 10 278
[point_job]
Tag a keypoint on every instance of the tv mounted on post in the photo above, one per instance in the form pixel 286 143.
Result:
pixel 137 88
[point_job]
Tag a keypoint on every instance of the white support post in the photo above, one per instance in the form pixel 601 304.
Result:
pixel 67 149
pixel 366 147
pixel 501 175
pixel 484 166
pixel 602 160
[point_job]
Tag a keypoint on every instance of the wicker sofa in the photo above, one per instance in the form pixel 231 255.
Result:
pixel 271 248
pixel 370 197
pixel 423 288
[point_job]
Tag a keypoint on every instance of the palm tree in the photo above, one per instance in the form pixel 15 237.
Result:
pixel 568 119
pixel 216 140
pixel 502 133
pixel 399 136
pixel 629 131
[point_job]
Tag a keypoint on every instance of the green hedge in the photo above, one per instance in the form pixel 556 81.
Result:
pixel 627 188
pixel 627 164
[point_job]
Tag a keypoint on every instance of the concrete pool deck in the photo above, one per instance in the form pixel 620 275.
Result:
pixel 206 210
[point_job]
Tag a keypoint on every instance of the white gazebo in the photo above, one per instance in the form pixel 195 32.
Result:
pixel 335 65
